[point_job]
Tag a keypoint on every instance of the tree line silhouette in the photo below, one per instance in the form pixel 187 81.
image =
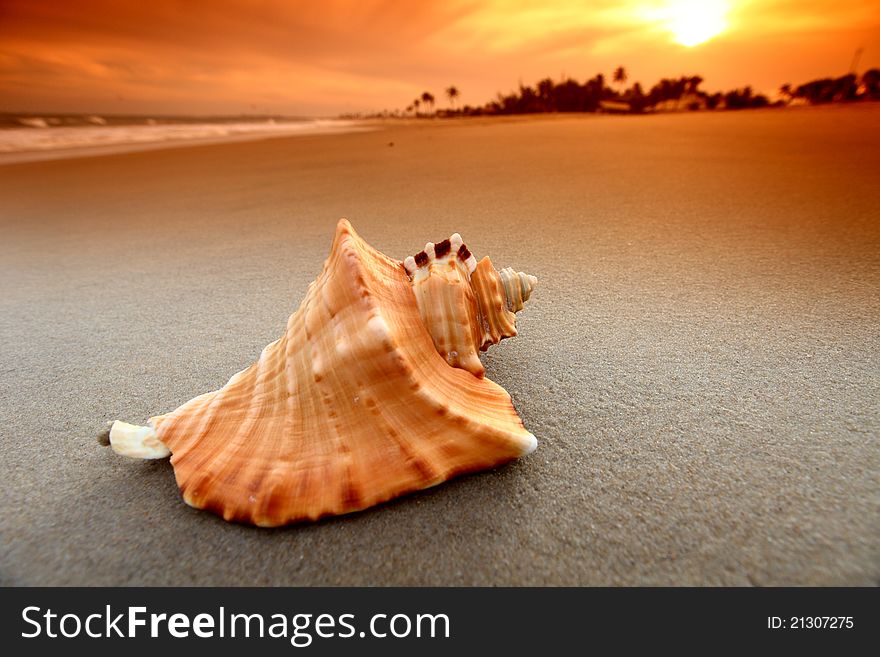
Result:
pixel 847 88
pixel 683 93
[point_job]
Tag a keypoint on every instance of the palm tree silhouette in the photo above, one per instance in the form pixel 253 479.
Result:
pixel 452 94
pixel 620 76
pixel 693 83
pixel 416 104
pixel 428 99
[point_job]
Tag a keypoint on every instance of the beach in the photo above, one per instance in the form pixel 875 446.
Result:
pixel 700 362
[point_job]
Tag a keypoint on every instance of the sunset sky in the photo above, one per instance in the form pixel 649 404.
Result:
pixel 330 56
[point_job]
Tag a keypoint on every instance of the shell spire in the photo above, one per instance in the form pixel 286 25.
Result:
pixel 465 305
pixel 350 407
pixel 518 287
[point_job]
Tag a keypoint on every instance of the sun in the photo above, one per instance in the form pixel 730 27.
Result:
pixel 692 22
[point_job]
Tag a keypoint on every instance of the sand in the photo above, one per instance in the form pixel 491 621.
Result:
pixel 701 363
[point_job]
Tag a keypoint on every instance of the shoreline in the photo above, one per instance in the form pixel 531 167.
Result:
pixel 123 147
pixel 375 124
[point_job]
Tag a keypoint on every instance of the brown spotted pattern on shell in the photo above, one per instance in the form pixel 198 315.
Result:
pixel 353 405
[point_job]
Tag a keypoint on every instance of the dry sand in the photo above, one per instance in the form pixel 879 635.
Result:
pixel 701 363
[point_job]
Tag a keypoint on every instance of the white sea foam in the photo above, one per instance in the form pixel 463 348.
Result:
pixel 34 122
pixel 41 141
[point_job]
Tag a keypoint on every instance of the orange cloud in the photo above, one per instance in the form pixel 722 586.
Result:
pixel 296 57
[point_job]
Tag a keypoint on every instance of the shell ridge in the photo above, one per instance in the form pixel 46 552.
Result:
pixel 176 425
pixel 354 498
pixel 212 468
pixel 320 407
pixel 210 417
pixel 333 420
pixel 253 470
pixel 304 481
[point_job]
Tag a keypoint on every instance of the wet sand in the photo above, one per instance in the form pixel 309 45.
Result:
pixel 701 362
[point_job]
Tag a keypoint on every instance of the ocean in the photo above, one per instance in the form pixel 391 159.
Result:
pixel 29 137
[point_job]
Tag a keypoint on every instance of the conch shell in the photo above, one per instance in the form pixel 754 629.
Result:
pixel 374 390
